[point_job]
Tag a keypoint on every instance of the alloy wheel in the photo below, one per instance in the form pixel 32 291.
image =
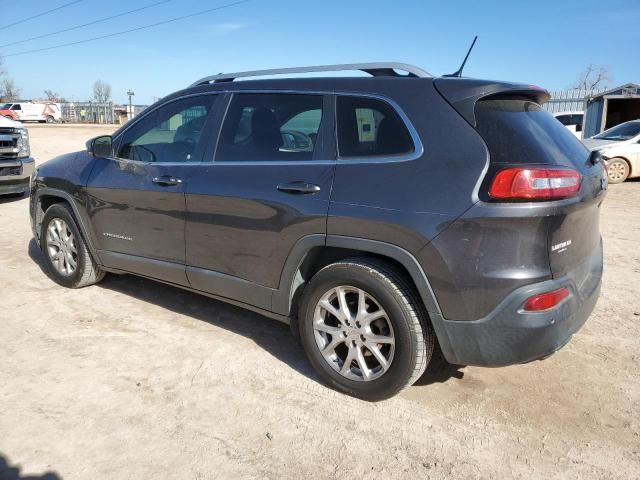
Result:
pixel 354 333
pixel 616 171
pixel 61 247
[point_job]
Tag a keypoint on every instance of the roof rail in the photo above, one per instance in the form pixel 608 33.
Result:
pixel 379 69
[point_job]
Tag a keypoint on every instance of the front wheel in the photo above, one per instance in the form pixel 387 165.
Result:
pixel 66 254
pixel 364 328
pixel 617 170
pixel 50 119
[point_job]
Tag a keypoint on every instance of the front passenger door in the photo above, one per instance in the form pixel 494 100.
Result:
pixel 136 198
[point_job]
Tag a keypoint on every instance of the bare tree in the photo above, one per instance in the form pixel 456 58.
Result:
pixel 101 92
pixel 9 91
pixel 593 77
pixel 52 96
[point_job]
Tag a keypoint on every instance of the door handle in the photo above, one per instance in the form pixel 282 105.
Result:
pixel 167 180
pixel 299 188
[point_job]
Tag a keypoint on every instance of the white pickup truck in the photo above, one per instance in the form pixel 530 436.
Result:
pixel 16 162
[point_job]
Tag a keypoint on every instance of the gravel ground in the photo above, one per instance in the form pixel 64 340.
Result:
pixel 134 379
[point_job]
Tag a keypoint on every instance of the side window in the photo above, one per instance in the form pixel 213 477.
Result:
pixel 369 127
pixel 270 127
pixel 16 107
pixel 169 134
pixel 564 119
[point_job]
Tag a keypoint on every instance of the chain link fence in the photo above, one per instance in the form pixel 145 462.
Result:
pixel 88 112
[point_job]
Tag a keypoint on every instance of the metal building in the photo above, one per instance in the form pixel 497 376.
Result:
pixel 570 100
pixel 610 108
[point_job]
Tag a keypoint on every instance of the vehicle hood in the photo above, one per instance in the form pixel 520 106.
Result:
pixel 5 122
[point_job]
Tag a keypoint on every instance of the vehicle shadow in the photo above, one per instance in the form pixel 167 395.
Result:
pixel 13 473
pixel 440 371
pixel 12 197
pixel 37 256
pixel 274 337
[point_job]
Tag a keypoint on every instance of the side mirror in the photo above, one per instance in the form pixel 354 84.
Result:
pixel 101 146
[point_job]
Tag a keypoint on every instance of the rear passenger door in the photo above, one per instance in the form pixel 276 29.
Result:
pixel 267 187
pixel 377 175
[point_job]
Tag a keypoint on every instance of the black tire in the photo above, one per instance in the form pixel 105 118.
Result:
pixel 617 170
pixel 396 295
pixel 87 272
pixel 50 119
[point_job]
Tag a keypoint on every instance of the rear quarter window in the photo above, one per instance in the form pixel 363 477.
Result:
pixel 369 127
pixel 518 130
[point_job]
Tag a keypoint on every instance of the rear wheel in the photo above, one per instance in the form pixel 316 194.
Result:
pixel 617 170
pixel 65 251
pixel 50 119
pixel 364 328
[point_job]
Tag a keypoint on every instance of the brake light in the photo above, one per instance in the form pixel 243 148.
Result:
pixel 535 184
pixel 545 301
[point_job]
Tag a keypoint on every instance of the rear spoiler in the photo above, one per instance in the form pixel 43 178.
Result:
pixel 463 93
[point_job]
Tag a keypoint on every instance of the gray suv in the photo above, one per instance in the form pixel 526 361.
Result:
pixel 387 219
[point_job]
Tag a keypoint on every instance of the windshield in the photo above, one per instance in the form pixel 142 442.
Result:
pixel 6 106
pixel 621 132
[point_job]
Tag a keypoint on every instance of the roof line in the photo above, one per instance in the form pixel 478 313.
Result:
pixel 606 92
pixel 376 69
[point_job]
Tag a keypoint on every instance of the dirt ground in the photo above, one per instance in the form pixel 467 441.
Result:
pixel 134 379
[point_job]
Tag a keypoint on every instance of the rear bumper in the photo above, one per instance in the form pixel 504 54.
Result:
pixel 509 336
pixel 16 182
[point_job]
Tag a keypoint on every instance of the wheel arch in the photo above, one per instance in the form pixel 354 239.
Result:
pixel 315 252
pixel 44 199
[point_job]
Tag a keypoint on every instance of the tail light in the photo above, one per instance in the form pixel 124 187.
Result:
pixel 545 301
pixel 534 184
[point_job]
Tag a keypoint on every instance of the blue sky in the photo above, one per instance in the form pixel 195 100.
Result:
pixel 543 42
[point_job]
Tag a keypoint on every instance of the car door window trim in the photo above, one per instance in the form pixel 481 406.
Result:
pixel 210 154
pixel 418 147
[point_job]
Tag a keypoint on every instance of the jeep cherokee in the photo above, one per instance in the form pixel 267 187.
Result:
pixel 382 217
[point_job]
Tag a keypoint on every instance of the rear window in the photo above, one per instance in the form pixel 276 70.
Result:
pixel 518 130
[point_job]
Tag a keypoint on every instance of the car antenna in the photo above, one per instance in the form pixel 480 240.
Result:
pixel 458 73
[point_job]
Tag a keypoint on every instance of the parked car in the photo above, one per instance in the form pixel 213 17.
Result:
pixel 383 218
pixel 620 147
pixel 32 112
pixel 571 120
pixel 16 163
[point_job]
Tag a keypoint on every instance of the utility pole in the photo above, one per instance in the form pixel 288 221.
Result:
pixel 131 93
